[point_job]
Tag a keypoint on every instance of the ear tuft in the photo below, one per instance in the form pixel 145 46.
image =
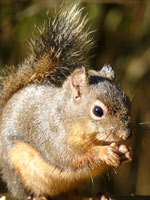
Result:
pixel 107 72
pixel 79 83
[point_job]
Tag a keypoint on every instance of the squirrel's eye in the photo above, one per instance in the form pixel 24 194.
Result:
pixel 98 111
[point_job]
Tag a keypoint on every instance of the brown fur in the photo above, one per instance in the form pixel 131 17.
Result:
pixel 45 178
pixel 52 137
pixel 24 76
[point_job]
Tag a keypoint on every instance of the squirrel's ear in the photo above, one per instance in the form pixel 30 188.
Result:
pixel 107 72
pixel 78 83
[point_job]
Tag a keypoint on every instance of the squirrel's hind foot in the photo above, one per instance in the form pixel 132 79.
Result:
pixel 101 197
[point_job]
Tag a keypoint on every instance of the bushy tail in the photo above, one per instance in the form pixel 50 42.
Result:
pixel 65 41
pixel 60 46
pixel 65 38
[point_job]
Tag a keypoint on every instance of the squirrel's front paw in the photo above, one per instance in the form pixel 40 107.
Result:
pixel 115 154
pixel 124 153
pixel 109 155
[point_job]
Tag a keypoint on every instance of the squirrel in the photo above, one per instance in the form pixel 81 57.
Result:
pixel 61 122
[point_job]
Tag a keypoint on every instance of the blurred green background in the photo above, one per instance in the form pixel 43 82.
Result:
pixel 123 40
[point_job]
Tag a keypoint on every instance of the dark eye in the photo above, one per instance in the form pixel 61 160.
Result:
pixel 98 111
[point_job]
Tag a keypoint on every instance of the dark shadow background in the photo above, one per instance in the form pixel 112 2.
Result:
pixel 123 40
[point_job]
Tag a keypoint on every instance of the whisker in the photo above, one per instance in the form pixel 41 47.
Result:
pixel 107 137
pixel 144 123
pixel 92 181
pixel 94 140
pixel 115 170
pixel 108 176
pixel 133 95
pixel 143 126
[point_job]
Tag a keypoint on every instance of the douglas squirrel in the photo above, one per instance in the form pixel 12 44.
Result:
pixel 60 121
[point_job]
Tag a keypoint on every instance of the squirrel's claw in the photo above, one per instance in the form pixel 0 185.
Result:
pixel 109 156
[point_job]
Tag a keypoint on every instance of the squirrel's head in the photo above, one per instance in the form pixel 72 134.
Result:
pixel 98 110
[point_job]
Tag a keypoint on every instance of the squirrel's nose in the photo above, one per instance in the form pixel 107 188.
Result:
pixel 130 134
pixel 127 134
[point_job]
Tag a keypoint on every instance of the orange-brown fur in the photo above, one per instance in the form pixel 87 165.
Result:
pixel 45 178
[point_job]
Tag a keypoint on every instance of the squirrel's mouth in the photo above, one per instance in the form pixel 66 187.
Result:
pixel 107 143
